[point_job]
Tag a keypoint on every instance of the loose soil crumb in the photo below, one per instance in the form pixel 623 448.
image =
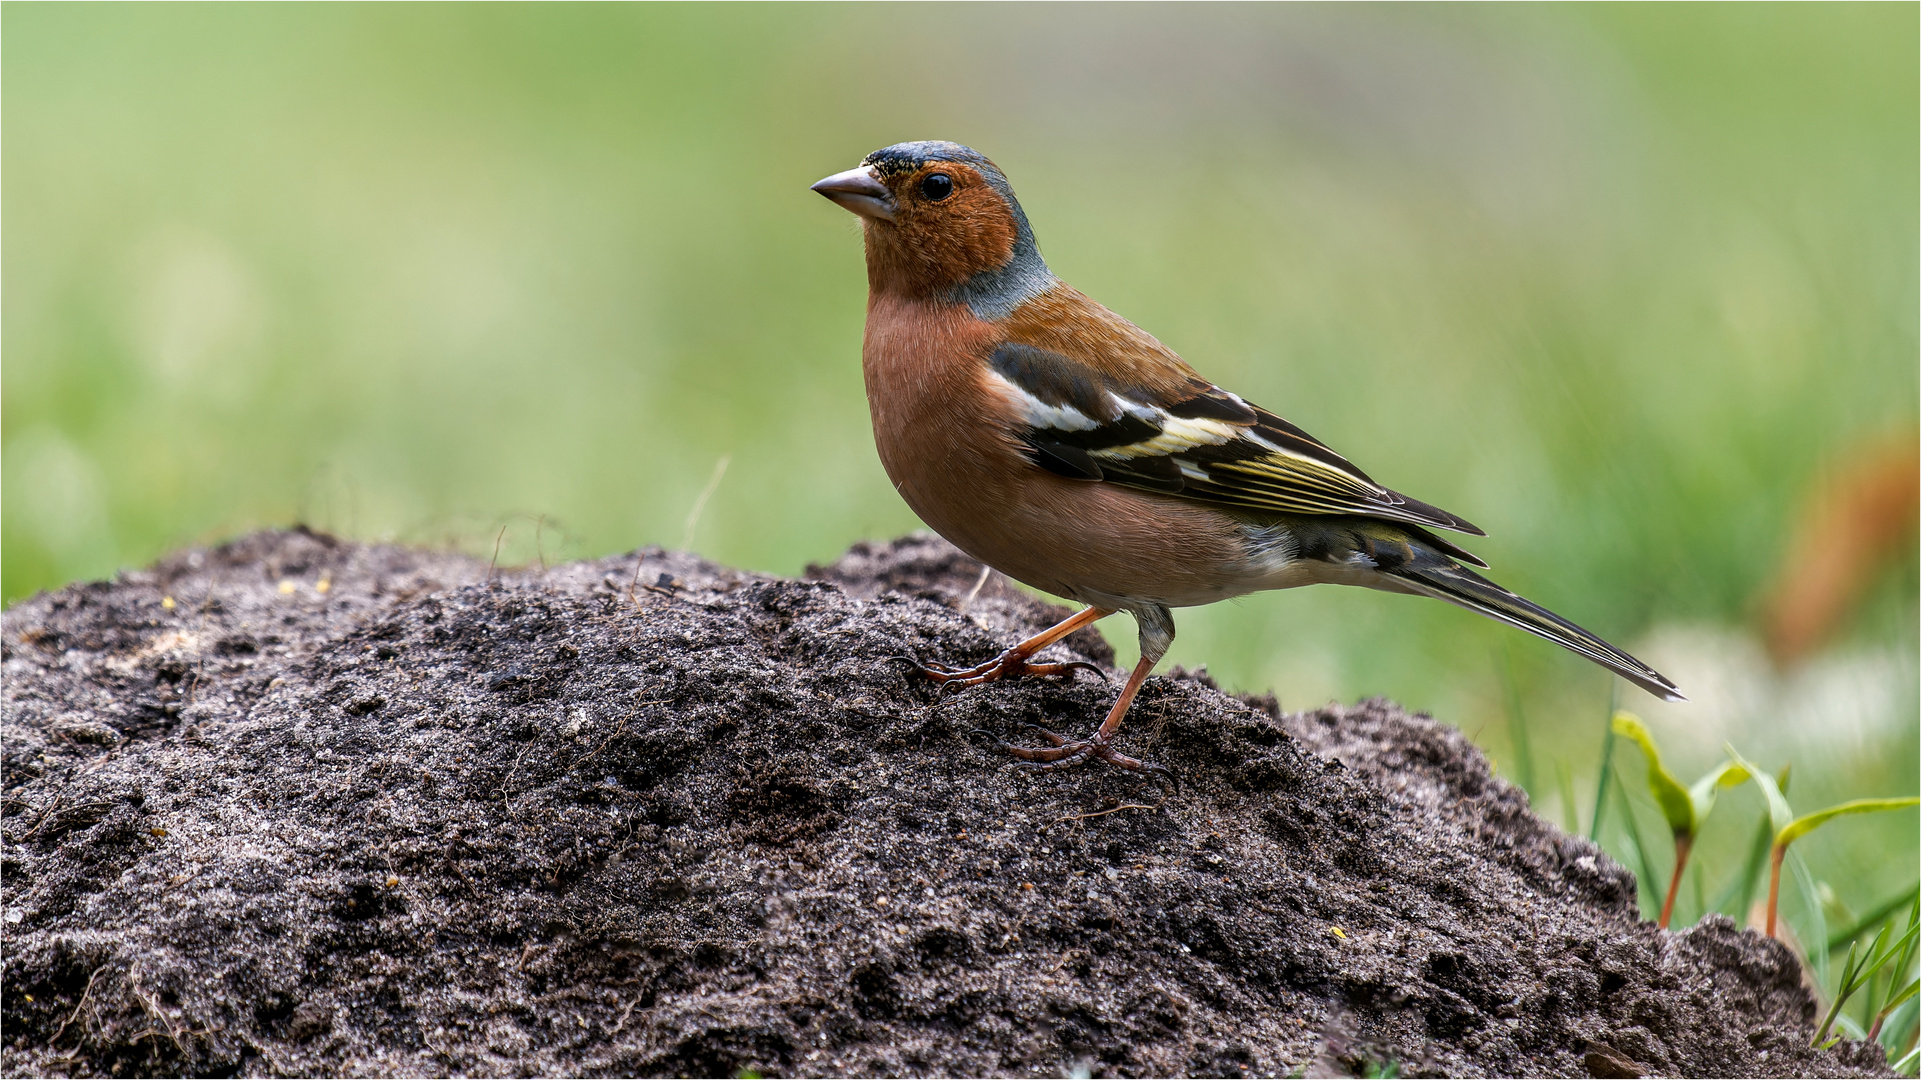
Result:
pixel 298 806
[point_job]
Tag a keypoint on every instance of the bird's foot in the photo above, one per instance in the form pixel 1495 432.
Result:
pixel 1062 752
pixel 1011 664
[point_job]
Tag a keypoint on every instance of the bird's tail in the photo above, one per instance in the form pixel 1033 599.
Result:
pixel 1445 579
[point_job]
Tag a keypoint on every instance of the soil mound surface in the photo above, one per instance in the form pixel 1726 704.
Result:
pixel 298 806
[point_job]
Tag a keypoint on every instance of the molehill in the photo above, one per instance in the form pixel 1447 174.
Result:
pixel 298 806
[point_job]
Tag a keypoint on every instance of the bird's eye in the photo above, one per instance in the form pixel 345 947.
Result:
pixel 937 187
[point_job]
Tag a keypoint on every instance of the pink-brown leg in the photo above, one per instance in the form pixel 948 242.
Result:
pixel 1100 745
pixel 1013 663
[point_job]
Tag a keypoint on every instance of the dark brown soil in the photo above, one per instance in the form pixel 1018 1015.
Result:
pixel 422 822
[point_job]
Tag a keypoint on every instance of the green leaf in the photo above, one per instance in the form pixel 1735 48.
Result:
pixel 1779 812
pixel 1807 823
pixel 1901 998
pixel 1703 791
pixel 1673 799
pixel 1903 963
pixel 1902 952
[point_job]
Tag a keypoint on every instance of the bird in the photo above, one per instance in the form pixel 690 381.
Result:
pixel 1053 440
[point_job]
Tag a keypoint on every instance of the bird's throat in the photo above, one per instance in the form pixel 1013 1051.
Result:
pixel 991 270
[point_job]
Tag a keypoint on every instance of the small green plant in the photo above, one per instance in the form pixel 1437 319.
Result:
pixel 1856 974
pixel 1685 808
pixel 1788 828
pixel 1903 983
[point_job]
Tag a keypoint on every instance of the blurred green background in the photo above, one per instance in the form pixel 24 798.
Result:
pixel 1623 284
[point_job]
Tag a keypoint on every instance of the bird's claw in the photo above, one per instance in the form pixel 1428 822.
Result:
pixel 921 667
pixel 1007 665
pixel 1062 752
pixel 1068 668
pixel 1163 776
pixel 1052 738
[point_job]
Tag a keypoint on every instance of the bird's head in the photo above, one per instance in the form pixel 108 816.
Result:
pixel 941 221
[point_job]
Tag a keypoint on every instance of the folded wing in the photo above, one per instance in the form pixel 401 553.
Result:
pixel 1195 441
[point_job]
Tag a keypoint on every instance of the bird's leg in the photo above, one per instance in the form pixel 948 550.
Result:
pixel 1013 662
pixel 1157 633
pixel 1099 745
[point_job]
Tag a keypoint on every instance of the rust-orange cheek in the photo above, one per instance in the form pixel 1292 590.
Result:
pixel 934 247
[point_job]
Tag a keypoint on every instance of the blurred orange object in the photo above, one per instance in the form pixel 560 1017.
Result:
pixel 1852 526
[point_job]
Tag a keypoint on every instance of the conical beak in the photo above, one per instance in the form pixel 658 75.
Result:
pixel 860 191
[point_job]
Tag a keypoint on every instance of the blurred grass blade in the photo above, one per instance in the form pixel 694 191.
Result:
pixel 1642 871
pixel 1601 786
pixel 1814 941
pixel 1700 898
pixel 1517 723
pixel 1774 791
pixel 1866 922
pixel 1570 803
pixel 1737 896
pixel 700 501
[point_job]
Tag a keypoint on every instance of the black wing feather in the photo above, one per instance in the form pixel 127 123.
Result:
pixel 1207 445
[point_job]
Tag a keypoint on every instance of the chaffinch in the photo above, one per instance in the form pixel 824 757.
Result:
pixel 1062 445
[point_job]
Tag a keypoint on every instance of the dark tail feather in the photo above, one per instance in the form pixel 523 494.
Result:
pixel 1459 585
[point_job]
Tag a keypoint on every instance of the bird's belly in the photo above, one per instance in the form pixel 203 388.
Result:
pixel 945 439
pixel 1093 542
